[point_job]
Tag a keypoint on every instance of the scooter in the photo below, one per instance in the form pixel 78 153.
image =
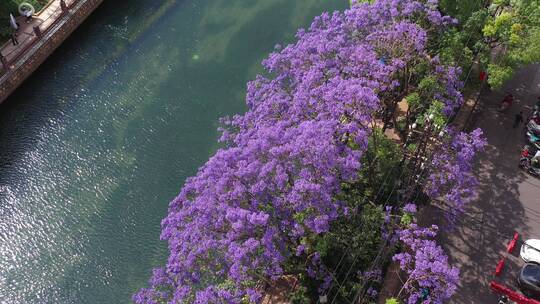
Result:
pixel 533 139
pixel 533 125
pixel 526 164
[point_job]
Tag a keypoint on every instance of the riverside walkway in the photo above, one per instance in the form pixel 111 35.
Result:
pixel 38 38
pixel 26 35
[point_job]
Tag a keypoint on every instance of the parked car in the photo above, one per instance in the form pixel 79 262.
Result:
pixel 530 251
pixel 529 280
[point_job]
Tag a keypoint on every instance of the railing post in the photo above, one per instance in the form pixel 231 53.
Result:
pixel 37 31
pixel 4 61
pixel 63 6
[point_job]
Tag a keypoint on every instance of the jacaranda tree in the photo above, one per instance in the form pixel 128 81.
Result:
pixel 431 279
pixel 252 208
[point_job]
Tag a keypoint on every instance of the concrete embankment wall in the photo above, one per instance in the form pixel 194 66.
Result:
pixel 43 47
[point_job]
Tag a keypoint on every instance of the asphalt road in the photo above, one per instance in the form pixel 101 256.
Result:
pixel 509 199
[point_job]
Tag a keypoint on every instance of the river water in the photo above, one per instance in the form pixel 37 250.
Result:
pixel 98 141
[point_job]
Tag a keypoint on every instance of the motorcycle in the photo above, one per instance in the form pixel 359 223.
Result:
pixel 526 162
pixel 533 139
pixel 533 125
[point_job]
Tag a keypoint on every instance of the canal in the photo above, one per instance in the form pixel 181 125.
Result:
pixel 98 141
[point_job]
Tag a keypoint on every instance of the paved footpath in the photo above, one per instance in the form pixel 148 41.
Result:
pixel 509 199
pixel 25 33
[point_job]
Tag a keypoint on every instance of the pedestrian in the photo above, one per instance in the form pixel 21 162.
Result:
pixel 28 15
pixel 14 39
pixel 518 119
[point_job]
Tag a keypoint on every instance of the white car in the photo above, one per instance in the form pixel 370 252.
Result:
pixel 530 251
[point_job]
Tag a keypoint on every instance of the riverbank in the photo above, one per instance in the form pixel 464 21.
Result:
pixel 12 7
pixel 38 39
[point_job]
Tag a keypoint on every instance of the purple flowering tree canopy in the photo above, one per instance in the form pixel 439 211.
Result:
pixel 431 279
pixel 250 209
pixel 452 179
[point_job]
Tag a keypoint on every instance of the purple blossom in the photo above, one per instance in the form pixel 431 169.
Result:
pixel 247 210
pixel 372 293
pixel 452 179
pixel 426 265
pixel 410 208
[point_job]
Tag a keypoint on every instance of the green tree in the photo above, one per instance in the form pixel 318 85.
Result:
pixel 505 34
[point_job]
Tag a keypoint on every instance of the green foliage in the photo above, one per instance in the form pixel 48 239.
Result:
pixel 300 296
pixel 527 50
pixel 412 147
pixel 499 26
pixel 499 74
pixel 423 103
pixel 392 301
pixel 428 86
pixel 356 238
pixel 406 219
pixel 360 1
pixel 505 34
pixel 381 158
pixel 453 49
pixel 436 109
pixel 462 9
pixel 459 45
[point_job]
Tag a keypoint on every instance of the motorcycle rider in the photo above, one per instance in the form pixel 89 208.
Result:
pixel 506 102
pixel 518 119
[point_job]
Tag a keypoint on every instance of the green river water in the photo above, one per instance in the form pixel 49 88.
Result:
pixel 99 140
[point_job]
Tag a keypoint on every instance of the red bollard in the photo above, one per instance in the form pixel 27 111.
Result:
pixel 512 295
pixel 512 245
pixel 499 267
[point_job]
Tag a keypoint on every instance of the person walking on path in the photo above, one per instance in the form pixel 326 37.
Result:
pixel 518 119
pixel 28 15
pixel 14 39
